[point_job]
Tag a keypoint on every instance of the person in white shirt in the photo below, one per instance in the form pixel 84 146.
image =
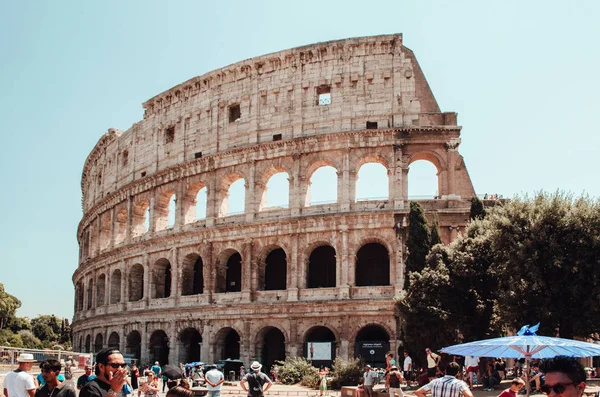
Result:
pixel 472 366
pixel 214 379
pixel 407 367
pixel 19 383
pixel 447 386
pixel 433 360
pixel 370 377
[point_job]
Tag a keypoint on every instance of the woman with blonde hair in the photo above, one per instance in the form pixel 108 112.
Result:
pixel 150 388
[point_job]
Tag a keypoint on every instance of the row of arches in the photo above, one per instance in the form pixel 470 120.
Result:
pixel 166 209
pixel 372 268
pixel 267 345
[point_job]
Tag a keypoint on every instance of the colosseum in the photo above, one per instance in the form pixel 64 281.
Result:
pixel 168 272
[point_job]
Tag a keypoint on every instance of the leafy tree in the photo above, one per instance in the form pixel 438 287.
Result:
pixel 43 328
pixel 435 232
pixel 29 340
pixel 477 209
pixel 418 242
pixel 8 307
pixel 19 323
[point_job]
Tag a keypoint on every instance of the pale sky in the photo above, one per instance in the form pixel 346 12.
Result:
pixel 523 77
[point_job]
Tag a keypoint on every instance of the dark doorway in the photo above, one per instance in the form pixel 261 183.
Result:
pixel 372 265
pixel 190 343
pixel 114 340
pixel 273 347
pixel 276 270
pixel 372 343
pixel 98 343
pixel 134 345
pixel 159 347
pixel 229 344
pixel 233 274
pixel 319 346
pixel 88 344
pixel 198 277
pixel 321 267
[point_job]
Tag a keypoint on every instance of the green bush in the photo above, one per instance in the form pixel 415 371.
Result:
pixel 295 370
pixel 346 373
pixel 311 380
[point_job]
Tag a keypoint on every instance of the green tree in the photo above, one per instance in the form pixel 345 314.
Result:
pixel 29 340
pixel 418 242
pixel 435 232
pixel 8 307
pixel 19 323
pixel 43 328
pixel 477 209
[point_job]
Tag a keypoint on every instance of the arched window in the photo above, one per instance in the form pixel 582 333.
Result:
pixel 372 265
pixel 140 220
pixel 372 182
pixel 165 210
pixel 100 290
pixel 423 181
pixel 235 200
pixel 161 279
pixel 321 267
pixel 115 287
pixel 201 204
pixel 136 283
pixel 277 192
pixel 322 187
pixel 192 281
pixel 276 270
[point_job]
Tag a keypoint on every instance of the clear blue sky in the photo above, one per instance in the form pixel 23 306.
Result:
pixel 522 75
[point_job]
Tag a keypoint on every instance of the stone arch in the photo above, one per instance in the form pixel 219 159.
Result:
pixel 140 218
pixel 79 293
pixel 262 190
pixel 438 162
pixel 316 335
pixel 272 268
pixel 190 202
pixel 229 271
pixel 158 347
pixel 190 341
pixel 161 279
pixel 192 275
pixel 321 267
pixel 372 342
pixel 98 342
pixel 227 343
pixel 372 265
pixel 223 199
pixel 136 282
pixel 90 294
pixel 115 287
pixel 371 158
pixel 133 344
pixel 88 343
pixel 105 226
pixel 100 290
pixel 120 225
pixel 270 345
pixel 312 169
pixel 164 209
pixel 114 340
pixel 372 178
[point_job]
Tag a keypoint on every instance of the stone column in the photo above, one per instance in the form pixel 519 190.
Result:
pixel 452 150
pixel 206 349
pixel 175 275
pixel 113 220
pixel 212 200
pixel 294 272
pixel 147 279
pixel 173 345
pixel 129 219
pixel 344 349
pixel 152 227
pixel 249 200
pixel 144 356
pixel 296 187
pixel 124 285
pixel 346 275
pixel 344 195
pixel 179 206
pixel 247 271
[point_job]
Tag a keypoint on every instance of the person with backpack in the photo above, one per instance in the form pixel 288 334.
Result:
pixel 254 381
pixel 393 380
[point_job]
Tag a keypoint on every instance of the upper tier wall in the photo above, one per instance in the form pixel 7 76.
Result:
pixel 372 79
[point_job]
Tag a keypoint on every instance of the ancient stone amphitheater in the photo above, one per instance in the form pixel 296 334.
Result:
pixel 164 281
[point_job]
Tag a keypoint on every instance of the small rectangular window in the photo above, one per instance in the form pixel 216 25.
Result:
pixel 324 95
pixel 235 113
pixel 143 174
pixel 170 135
pixel 125 158
pixel 277 137
pixel 371 125
pixel 197 155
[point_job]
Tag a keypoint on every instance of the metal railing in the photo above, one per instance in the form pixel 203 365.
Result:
pixel 8 357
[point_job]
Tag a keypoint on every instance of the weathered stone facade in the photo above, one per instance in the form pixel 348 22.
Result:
pixel 263 283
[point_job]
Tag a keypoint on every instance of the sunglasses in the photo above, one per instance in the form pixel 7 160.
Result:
pixel 557 388
pixel 117 365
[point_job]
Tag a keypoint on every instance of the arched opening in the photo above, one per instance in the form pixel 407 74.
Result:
pixel 115 287
pixel 136 283
pixel 140 220
pixel 121 226
pixel 190 342
pixel 134 345
pixel 165 210
pixel 200 210
pixel 192 281
pixel 233 273
pixel 276 270
pixel 319 346
pixel 159 347
pixel 276 193
pixel 372 182
pixel 194 203
pixel 114 340
pixel 161 279
pixel 234 201
pixel 423 181
pixel 322 186
pixel 100 290
pixel 90 294
pixel 270 347
pixel 321 267
pixel 372 343
pixel 372 265
pixel 227 344
pixel 88 344
pixel 105 225
pixel 80 293
pixel 98 343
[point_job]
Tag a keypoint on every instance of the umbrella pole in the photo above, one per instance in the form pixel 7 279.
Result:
pixel 527 376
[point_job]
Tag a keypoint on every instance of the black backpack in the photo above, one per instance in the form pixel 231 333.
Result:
pixel 255 384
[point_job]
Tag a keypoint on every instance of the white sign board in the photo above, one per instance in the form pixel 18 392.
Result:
pixel 318 350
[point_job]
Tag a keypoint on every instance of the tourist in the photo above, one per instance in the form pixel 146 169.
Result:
pixel 52 386
pixel 323 372
pixel 537 378
pixel 214 379
pixel 446 386
pixel 111 374
pixel 254 382
pixel 565 376
pixel 86 377
pixel 19 383
pixel 472 365
pixel 489 376
pixel 407 366
pixel 393 380
pixel 150 388
pixel 156 369
pixel 369 380
pixel 180 391
pixel 389 361
pixel 433 360
pixel 515 387
pixel 135 374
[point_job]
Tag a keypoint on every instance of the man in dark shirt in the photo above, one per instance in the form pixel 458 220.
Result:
pixel 85 378
pixel 52 386
pixel 110 375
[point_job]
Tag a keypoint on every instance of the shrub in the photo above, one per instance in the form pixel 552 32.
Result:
pixel 346 373
pixel 296 369
pixel 311 380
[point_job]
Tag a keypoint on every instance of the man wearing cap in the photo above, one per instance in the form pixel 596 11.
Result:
pixel 254 381
pixel 392 382
pixel 88 376
pixel 19 383
pixel 52 386
pixel 369 380
pixel 110 375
